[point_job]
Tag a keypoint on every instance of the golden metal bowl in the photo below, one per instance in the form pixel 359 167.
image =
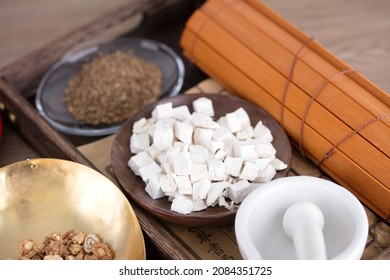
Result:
pixel 42 196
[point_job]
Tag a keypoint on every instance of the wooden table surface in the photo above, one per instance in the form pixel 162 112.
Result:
pixel 356 31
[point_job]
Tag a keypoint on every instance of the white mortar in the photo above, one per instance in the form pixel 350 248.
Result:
pixel 259 221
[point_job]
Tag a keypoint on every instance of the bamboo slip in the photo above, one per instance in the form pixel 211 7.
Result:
pixel 334 116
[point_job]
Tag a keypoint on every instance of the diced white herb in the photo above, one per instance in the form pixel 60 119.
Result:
pixel 250 171
pixel 216 191
pixel 163 137
pixel 182 204
pixel 198 162
pixel 204 106
pixel 139 160
pixel 201 189
pixel 238 191
pixel 139 142
pixel 181 113
pixel 183 132
pixel 233 166
pixel 162 111
pixel 153 187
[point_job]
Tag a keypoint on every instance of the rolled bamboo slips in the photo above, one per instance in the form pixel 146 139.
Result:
pixel 335 116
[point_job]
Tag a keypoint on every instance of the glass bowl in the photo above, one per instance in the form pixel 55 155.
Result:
pixel 50 101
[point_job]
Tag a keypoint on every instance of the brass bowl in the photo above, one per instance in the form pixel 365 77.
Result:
pixel 42 196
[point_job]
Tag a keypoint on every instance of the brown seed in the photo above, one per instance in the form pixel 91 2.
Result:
pixel 112 87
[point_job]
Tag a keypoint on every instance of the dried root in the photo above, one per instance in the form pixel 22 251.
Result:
pixel 70 246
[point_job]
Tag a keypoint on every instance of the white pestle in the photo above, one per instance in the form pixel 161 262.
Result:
pixel 303 222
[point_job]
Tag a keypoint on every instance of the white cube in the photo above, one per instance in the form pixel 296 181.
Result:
pixel 233 166
pixel 143 125
pixel 139 142
pixel 246 132
pixel 266 175
pixel 214 146
pixel 216 191
pixel 167 183
pixel 202 136
pixel 181 113
pixel 238 191
pixel 183 183
pixel 263 162
pixel 250 171
pixel 220 154
pixel 183 147
pixel 153 187
pixel 198 205
pixel 265 150
pixel 199 171
pixel 204 106
pixel 184 132
pixel 182 204
pixel 139 160
pixel 243 117
pixel 162 111
pixel 262 133
pixel 149 170
pixel 199 154
pixel 200 189
pixel 216 170
pixel 229 144
pixel 181 163
pixel 246 149
pixel 221 133
pixel 153 152
pixel 165 123
pixel 163 138
pixel 277 164
pixel 200 120
pixel 233 122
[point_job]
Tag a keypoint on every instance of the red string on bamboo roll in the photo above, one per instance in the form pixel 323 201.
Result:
pixel 310 103
pixel 329 153
pixel 289 78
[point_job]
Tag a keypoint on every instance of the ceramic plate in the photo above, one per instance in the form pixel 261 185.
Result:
pixel 50 94
pixel 135 187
